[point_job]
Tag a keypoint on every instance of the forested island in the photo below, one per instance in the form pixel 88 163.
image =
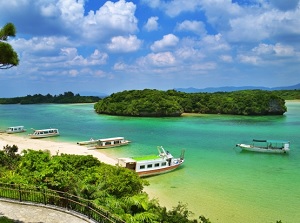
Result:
pixel 171 103
pixel 67 97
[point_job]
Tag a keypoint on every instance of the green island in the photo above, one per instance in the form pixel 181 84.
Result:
pixel 156 103
pixel 172 103
pixel 66 98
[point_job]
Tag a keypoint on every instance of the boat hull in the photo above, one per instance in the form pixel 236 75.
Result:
pixel 153 172
pixel 15 129
pixel 111 146
pixel 252 148
pixel 12 132
pixel 44 133
pixel 42 136
pixel 150 165
pixel 90 142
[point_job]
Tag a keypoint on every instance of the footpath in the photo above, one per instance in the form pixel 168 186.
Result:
pixel 27 213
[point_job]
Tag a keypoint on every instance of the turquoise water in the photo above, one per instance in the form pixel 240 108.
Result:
pixel 217 179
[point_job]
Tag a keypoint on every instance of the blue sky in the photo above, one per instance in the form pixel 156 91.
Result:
pixel 111 46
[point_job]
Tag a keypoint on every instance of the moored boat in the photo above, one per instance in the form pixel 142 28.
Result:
pixel 44 133
pixel 111 142
pixel 266 146
pixel 88 142
pixel 15 129
pixel 153 164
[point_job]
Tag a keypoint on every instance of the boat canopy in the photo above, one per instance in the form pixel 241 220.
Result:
pixel 270 141
pixel 111 139
pixel 21 126
pixel 259 140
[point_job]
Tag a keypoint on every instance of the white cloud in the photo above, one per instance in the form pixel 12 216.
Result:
pixel 215 43
pixel 164 59
pixel 203 66
pixel 49 10
pixel 72 58
pixel 175 7
pixel 254 60
pixel 71 11
pixel 151 24
pixel 226 58
pixel 220 12
pixel 62 38
pixel 168 41
pixel 277 49
pixel 283 50
pixel 73 73
pixel 189 53
pixel 112 19
pixel 120 66
pixel 68 18
pixel 197 27
pixel 124 44
pixel 40 45
pixel 254 22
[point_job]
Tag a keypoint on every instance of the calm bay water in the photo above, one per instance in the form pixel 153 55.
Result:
pixel 217 179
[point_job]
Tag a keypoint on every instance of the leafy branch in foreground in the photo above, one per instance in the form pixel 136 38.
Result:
pixel 8 57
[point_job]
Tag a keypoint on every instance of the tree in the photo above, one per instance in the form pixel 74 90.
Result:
pixel 8 57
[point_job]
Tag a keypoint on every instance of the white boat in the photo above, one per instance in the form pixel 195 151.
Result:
pixel 266 146
pixel 105 143
pixel 89 142
pixel 111 142
pixel 15 129
pixel 153 164
pixel 44 133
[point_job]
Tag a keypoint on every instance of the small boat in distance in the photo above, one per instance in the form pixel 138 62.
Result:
pixel 152 164
pixel 15 129
pixel 44 133
pixel 266 146
pixel 105 143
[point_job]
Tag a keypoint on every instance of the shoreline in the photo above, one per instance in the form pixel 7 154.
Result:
pixel 55 147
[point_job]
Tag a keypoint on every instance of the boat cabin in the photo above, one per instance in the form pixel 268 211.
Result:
pixel 144 163
pixel 152 164
pixel 15 129
pixel 111 142
pixel 273 144
pixel 45 132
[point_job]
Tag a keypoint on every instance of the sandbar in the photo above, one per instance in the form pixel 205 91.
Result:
pixel 55 148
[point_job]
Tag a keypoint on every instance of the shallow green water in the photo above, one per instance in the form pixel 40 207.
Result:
pixel 217 179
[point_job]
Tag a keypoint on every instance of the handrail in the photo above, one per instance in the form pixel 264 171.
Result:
pixel 64 200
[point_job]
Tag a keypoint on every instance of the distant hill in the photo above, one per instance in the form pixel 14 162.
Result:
pixel 231 88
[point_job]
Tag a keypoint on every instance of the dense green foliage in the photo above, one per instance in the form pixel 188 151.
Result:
pixel 8 57
pixel 115 188
pixel 288 94
pixel 172 103
pixel 140 103
pixel 67 97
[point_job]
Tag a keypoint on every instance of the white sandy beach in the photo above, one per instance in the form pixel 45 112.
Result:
pixel 24 142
